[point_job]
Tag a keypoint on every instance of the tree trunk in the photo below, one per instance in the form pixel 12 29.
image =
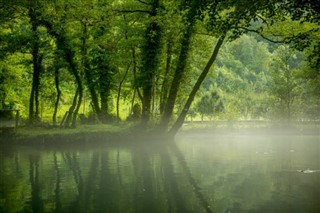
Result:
pixel 75 113
pixel 56 104
pixel 177 125
pixel 37 85
pixel 34 113
pixel 165 82
pixel 105 87
pixel 178 75
pixel 87 72
pixel 63 45
pixel 119 90
pixel 150 54
pixel 136 88
pixel 72 109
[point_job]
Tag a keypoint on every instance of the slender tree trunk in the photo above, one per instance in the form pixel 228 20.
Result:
pixel 37 85
pixel 31 105
pixel 132 101
pixel 76 111
pixel 153 91
pixel 56 104
pixel 135 73
pixel 177 125
pixel 36 61
pixel 119 90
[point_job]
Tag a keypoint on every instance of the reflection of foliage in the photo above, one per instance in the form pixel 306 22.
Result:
pixel 232 173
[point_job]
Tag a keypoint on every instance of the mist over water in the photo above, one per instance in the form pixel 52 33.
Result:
pixel 203 171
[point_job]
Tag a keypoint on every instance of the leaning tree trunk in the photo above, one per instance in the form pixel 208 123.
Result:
pixel 177 125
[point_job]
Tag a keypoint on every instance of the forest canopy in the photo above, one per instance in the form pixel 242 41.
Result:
pixel 159 61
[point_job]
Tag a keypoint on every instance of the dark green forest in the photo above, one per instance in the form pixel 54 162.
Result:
pixel 159 62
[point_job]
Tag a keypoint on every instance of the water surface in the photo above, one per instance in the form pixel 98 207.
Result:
pixel 198 173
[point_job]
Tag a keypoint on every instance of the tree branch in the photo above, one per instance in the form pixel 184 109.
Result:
pixel 132 11
pixel 263 36
pixel 143 2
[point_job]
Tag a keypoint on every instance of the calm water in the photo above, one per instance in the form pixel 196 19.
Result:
pixel 199 173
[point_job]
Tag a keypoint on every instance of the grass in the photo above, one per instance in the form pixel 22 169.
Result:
pixel 25 132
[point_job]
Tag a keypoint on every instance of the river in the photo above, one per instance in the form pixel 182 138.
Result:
pixel 200 172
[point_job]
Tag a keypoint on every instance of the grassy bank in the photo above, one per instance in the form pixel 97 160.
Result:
pixel 55 135
pixel 28 132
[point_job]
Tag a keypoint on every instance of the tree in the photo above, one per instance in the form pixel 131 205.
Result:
pixel 37 58
pixel 192 7
pixel 150 59
pixel 210 103
pixel 285 86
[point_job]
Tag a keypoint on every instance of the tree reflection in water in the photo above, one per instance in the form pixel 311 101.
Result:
pixel 141 178
pixel 162 177
pixel 36 199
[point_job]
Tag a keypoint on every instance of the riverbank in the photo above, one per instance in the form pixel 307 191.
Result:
pixel 82 134
pixel 54 135
pixel 127 132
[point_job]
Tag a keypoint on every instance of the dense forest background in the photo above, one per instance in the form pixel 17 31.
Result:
pixel 159 61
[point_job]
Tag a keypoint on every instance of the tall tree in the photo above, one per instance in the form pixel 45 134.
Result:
pixel 150 59
pixel 192 8
pixel 285 85
pixel 37 57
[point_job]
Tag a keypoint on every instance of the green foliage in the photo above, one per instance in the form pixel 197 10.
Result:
pixel 210 104
pixel 285 85
pixel 155 50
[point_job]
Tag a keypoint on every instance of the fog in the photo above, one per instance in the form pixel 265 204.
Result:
pixel 204 169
